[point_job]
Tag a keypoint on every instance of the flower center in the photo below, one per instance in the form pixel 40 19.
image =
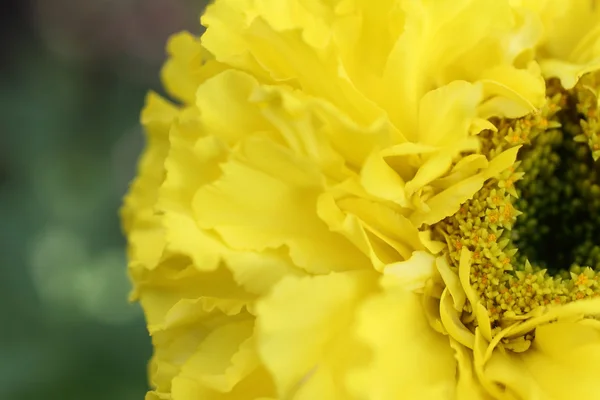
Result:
pixel 559 195
pixel 534 230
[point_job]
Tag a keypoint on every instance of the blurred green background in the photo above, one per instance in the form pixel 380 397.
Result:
pixel 73 76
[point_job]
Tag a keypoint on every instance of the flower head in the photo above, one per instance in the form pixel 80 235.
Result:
pixel 372 200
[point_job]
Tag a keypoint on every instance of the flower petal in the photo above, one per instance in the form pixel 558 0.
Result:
pixel 410 360
pixel 182 307
pixel 452 282
pixel 450 318
pixel 436 34
pixel 514 92
pixel 559 365
pixel 448 201
pixel 411 274
pixel 224 358
pixel 165 295
pixel 228 94
pixel 571 43
pixel 303 328
pixel 467 388
pixel 278 207
pixel 146 237
pixel 446 113
pixel 387 224
pixel 261 37
pixel 188 65
pixel 568 73
pixel 379 179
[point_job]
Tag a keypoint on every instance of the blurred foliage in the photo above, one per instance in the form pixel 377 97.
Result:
pixel 69 142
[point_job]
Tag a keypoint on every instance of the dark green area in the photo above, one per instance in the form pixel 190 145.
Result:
pixel 560 193
pixel 69 143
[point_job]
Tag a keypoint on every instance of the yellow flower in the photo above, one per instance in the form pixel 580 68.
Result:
pixel 391 199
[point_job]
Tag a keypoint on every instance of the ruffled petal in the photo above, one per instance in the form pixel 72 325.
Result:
pixel 182 306
pixel 445 114
pixel 146 237
pixel 568 73
pixel 224 366
pixel 409 359
pixel 435 36
pixel 566 23
pixel 304 333
pixel 513 92
pixel 559 365
pixel 467 387
pixel 570 46
pixel 229 92
pixel 176 293
pixel 381 180
pixel 448 201
pixel 272 38
pixel 278 208
pixel 193 161
pixel 411 274
pixel 385 223
pixel 189 64
pixel 347 209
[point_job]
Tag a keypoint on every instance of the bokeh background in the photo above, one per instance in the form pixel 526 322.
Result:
pixel 73 76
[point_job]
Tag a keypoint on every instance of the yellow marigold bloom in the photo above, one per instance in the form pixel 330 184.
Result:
pixel 391 199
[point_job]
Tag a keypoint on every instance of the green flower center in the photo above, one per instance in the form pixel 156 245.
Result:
pixel 559 196
pixel 534 231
